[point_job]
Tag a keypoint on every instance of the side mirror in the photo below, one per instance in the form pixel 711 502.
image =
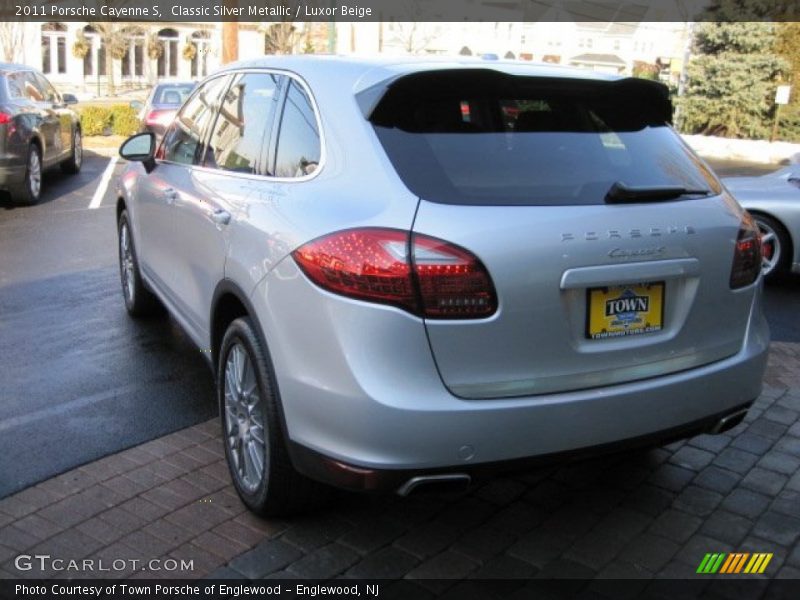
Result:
pixel 136 105
pixel 140 148
pixel 69 99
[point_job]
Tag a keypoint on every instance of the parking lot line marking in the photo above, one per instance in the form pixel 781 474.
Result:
pixel 103 186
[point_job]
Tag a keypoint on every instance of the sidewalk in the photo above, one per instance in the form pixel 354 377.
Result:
pixel 639 514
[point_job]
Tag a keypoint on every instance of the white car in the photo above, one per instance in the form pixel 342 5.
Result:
pixel 774 202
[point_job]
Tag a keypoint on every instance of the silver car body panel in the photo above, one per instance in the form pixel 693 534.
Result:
pixel 774 196
pixel 376 386
pixel 359 385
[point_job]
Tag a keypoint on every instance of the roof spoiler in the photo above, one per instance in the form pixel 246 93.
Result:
pixel 653 94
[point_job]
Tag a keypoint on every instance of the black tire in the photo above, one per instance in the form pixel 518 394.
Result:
pixel 281 490
pixel 782 246
pixel 29 192
pixel 72 165
pixel 139 301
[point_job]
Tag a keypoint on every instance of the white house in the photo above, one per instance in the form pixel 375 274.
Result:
pixel 74 55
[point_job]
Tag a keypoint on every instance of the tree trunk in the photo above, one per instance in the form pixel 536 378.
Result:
pixel 230 42
pixel 111 87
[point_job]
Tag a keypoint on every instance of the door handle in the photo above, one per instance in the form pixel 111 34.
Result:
pixel 170 195
pixel 221 217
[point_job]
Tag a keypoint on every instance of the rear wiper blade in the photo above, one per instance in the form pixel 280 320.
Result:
pixel 621 192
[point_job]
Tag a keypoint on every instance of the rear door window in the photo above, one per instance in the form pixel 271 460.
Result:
pixel 298 150
pixel 183 140
pixel 174 95
pixel 16 85
pixel 244 124
pixel 25 85
pixel 50 93
pixel 482 137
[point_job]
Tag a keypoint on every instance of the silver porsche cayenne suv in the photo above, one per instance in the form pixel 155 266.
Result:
pixel 409 274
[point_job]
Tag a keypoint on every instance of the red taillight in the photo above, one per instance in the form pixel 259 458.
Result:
pixel 5 119
pixel 439 280
pixel 159 117
pixel 746 254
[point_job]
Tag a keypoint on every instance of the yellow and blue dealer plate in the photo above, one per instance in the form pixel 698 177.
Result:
pixel 624 310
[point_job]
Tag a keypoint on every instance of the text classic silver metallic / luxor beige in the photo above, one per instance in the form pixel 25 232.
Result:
pixel 408 274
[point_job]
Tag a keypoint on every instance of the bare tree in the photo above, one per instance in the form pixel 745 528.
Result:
pixel 414 37
pixel 12 40
pixel 284 36
pixel 281 37
pixel 412 34
pixel 115 43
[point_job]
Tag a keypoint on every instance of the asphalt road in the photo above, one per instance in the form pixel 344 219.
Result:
pixel 78 378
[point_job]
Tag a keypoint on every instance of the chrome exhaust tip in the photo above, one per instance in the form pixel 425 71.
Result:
pixel 729 421
pixel 447 482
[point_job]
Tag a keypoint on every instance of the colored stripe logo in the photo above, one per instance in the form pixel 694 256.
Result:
pixel 734 563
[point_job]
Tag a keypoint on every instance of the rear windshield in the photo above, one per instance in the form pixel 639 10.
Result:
pixel 486 138
pixel 173 93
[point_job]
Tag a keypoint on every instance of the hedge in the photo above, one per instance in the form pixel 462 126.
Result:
pixel 124 120
pixel 95 120
pixel 117 119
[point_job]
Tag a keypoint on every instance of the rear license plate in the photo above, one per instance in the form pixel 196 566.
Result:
pixel 624 310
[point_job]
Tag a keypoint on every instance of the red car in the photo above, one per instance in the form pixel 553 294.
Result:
pixel 163 102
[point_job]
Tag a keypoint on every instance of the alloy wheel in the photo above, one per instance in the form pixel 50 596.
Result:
pixel 77 149
pixel 243 418
pixel 35 174
pixel 770 248
pixel 126 262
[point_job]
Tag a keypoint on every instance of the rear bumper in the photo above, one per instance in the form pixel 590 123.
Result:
pixel 359 387
pixel 12 170
pixel 351 477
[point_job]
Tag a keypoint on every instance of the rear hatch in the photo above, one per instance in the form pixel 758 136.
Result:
pixel 610 245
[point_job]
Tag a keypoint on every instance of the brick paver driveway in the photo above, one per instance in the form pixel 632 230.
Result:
pixel 641 514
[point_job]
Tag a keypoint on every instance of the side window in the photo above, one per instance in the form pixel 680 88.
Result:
pixel 16 85
pixel 298 142
pixel 31 87
pixel 243 124
pixel 183 141
pixel 50 93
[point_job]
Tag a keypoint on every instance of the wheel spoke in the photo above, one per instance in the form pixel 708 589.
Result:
pixel 257 432
pixel 238 367
pixel 230 383
pixel 230 413
pixel 254 462
pixel 243 374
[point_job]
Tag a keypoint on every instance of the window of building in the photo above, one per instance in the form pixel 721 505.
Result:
pixel 94 63
pixel 202 43
pixel 168 61
pixel 132 64
pixel 54 48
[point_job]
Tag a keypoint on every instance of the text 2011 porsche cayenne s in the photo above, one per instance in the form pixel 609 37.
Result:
pixel 406 273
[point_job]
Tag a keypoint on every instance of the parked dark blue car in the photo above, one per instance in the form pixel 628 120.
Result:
pixel 38 130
